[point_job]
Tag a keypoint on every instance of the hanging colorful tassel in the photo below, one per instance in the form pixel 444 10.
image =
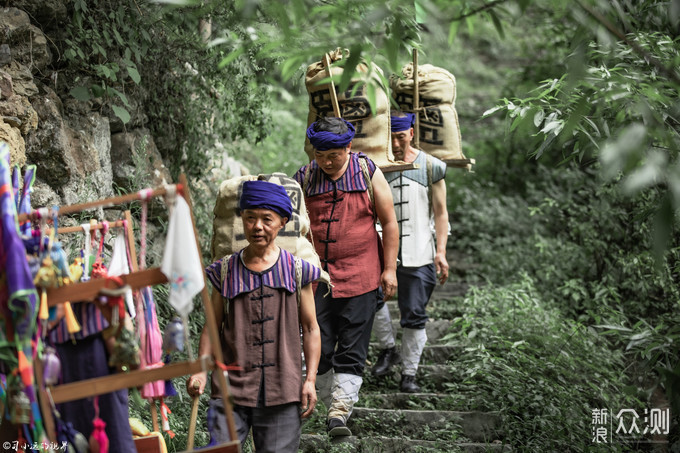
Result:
pixel 44 312
pixel 169 387
pixel 25 368
pixel 72 324
pixel 165 410
pixel 99 442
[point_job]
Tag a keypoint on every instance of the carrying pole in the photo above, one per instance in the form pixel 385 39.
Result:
pixel 416 101
pixel 331 87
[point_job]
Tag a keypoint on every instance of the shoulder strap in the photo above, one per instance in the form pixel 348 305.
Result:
pixel 223 279
pixel 298 280
pixel 367 179
pixel 306 178
pixel 428 160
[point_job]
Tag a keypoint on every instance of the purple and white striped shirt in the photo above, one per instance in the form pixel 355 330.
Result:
pixel 351 181
pixel 239 279
pixel 91 321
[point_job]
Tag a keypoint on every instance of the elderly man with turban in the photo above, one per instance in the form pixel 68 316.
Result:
pixel 419 194
pixel 255 295
pixel 336 187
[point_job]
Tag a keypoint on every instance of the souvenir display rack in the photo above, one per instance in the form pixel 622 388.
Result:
pixel 87 291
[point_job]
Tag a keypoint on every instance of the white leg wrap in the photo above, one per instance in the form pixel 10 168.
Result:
pixel 345 393
pixel 412 344
pixel 323 387
pixel 382 328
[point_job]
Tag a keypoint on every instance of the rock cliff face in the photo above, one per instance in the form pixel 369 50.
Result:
pixel 80 149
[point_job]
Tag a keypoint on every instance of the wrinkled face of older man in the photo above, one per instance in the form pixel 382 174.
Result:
pixel 262 226
pixel 400 142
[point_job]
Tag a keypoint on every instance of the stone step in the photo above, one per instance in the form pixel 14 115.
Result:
pixel 435 329
pixel 315 443
pixel 473 425
pixel 429 377
pixel 405 400
pixel 432 354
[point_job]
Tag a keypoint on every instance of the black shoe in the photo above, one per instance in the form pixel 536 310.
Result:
pixel 408 384
pixel 386 359
pixel 336 427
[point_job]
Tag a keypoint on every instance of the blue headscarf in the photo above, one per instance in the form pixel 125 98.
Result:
pixel 265 195
pixel 324 140
pixel 402 123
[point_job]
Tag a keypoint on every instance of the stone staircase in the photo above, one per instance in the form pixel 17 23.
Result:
pixel 387 421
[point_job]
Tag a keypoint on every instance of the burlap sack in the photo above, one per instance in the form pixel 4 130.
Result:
pixel 372 130
pixel 439 128
pixel 228 235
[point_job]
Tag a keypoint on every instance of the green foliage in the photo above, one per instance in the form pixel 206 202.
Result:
pixel 105 45
pixel 580 242
pixel 544 374
pixel 124 51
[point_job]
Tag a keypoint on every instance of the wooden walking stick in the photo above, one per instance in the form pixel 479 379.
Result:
pixel 194 417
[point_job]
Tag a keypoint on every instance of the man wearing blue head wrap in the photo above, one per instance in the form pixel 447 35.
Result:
pixel 419 195
pixel 261 330
pixel 336 186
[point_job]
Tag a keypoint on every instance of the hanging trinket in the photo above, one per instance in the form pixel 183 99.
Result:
pixel 19 407
pixel 173 338
pixel 99 441
pixel 125 354
pixel 76 269
pixel 67 435
pixel 170 390
pixel 46 276
pixel 51 366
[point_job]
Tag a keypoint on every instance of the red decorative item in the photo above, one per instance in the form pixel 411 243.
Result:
pixel 99 442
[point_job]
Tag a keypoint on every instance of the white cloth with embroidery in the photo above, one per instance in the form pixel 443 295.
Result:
pixel 181 259
pixel 119 266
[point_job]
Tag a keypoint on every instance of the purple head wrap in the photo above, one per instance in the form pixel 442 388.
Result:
pixel 324 140
pixel 402 123
pixel 265 195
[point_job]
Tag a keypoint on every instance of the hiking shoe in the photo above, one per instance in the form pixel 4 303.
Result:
pixel 408 384
pixel 336 427
pixel 386 359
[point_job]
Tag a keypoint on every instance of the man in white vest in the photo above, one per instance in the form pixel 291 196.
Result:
pixel 419 195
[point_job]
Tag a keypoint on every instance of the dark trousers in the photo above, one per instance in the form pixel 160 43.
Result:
pixel 276 429
pixel 88 358
pixel 415 288
pixel 345 325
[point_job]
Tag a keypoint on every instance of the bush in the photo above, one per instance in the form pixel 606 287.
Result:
pixel 544 374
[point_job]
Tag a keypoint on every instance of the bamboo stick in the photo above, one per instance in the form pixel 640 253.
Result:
pixel 331 86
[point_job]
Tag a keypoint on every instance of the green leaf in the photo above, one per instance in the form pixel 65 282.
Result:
pixel 453 31
pixel 81 93
pixel 121 113
pixel 497 23
pixel 134 74
pixel 350 67
pixel 231 57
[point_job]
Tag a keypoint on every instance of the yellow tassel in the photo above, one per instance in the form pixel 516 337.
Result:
pixel 44 313
pixel 71 321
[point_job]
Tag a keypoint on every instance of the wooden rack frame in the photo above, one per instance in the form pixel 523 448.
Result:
pixel 86 291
